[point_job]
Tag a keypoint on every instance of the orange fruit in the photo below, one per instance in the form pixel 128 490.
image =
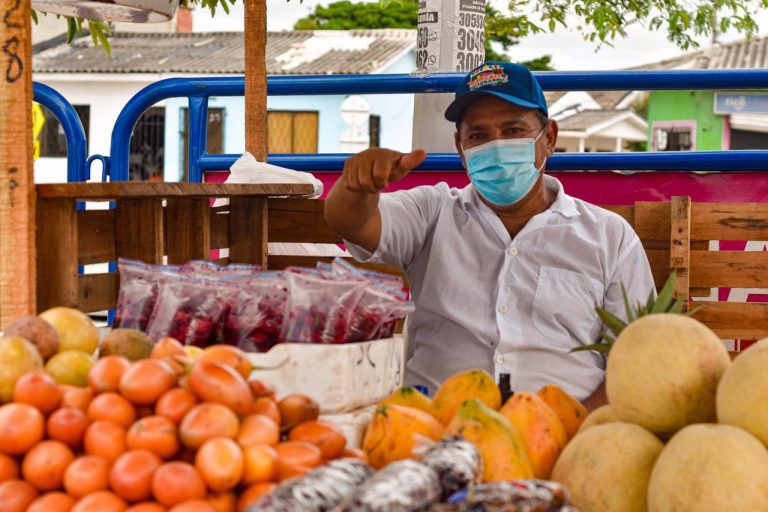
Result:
pixel 16 495
pixel 106 372
pixel 175 403
pixel 131 474
pixel 85 475
pixel 296 408
pixel 294 458
pixel 21 427
pixel 260 463
pixel 176 482
pixel 172 352
pixel 324 435
pixel 267 407
pixel 154 433
pixel 253 493
pixel 112 407
pixel 100 501
pixel 258 429
pixel 146 506
pixel 105 439
pixel 354 453
pixel 230 356
pixel 220 462
pixel 9 468
pixel 39 390
pixel 217 382
pixel 206 421
pixel 146 380
pixel 52 502
pixel 68 426
pixel 73 396
pixel 223 501
pixel 260 389
pixel 193 506
pixel 44 465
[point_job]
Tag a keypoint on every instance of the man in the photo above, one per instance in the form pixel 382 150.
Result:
pixel 504 273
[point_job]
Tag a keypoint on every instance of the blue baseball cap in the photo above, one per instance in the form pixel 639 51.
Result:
pixel 510 82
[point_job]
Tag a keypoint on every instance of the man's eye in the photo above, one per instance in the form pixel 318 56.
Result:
pixel 515 131
pixel 475 136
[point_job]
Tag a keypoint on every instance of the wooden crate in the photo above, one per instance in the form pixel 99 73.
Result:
pixel 149 221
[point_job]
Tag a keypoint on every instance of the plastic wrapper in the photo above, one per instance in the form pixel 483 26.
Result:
pixel 514 496
pixel 340 266
pixel 137 295
pixel 319 310
pixel 255 315
pixel 456 462
pixel 189 309
pixel 377 312
pixel 402 486
pixel 209 269
pixel 320 490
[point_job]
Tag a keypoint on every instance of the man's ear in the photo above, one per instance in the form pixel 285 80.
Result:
pixel 551 134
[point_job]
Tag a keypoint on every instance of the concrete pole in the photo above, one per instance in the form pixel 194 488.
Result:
pixel 619 144
pixel 582 144
pixel 17 184
pixel 450 39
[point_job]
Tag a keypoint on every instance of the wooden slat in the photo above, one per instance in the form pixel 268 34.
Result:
pixel 729 269
pixel 652 221
pixel 133 189
pixel 248 231
pixel 57 254
pixel 96 231
pixel 97 292
pixel 296 205
pixel 680 244
pixel 139 229
pixel 219 227
pixel 740 320
pixel 658 259
pixel 188 229
pixel 724 221
pixel 627 212
pixel 297 226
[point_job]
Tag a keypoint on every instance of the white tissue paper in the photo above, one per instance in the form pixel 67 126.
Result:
pixel 249 170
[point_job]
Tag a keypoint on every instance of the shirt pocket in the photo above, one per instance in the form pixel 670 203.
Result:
pixel 564 306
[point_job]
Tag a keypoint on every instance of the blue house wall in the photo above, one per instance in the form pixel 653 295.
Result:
pixel 395 110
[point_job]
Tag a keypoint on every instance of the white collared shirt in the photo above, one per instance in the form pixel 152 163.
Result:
pixel 516 306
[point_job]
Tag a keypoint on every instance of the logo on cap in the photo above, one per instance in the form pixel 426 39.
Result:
pixel 489 74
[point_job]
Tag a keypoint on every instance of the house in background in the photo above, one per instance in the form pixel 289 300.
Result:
pixel 711 120
pixel 99 86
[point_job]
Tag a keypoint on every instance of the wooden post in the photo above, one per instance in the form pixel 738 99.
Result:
pixel 17 187
pixel 256 78
pixel 680 245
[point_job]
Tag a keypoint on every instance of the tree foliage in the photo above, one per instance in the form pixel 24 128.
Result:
pixel 500 30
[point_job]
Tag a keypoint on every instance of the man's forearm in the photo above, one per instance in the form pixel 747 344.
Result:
pixel 597 398
pixel 347 211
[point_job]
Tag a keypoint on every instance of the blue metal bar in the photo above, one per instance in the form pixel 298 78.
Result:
pixel 77 150
pixel 198 135
pixel 735 160
pixel 441 82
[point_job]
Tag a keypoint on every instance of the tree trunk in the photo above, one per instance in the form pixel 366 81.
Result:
pixel 256 78
pixel 17 187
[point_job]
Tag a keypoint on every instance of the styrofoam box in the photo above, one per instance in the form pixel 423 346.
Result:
pixel 352 424
pixel 341 378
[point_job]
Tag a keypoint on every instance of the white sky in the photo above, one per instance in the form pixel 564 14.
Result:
pixel 567 48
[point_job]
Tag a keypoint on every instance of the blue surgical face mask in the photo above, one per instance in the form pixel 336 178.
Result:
pixel 503 170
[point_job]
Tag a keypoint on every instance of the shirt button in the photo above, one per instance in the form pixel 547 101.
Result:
pixel 512 250
pixel 499 359
pixel 503 308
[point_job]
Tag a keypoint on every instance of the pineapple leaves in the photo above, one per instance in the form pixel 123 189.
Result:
pixel 603 348
pixel 614 323
pixel 627 306
pixel 666 296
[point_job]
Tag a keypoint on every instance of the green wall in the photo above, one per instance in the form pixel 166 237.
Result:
pixel 688 106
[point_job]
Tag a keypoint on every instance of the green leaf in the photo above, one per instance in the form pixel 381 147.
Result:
pixel 664 300
pixel 603 348
pixel 614 323
pixel 627 305
pixel 34 16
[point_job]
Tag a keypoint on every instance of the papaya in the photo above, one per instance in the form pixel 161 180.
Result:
pixel 570 411
pixel 394 431
pixel 501 447
pixel 477 384
pixel 409 397
pixel 540 428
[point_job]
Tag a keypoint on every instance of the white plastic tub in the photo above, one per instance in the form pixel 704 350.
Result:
pixel 341 378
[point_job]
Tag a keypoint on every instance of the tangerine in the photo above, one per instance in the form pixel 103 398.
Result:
pixel 267 407
pixel 258 428
pixel 68 426
pixel 146 506
pixel 9 468
pixel 295 409
pixel 39 390
pixel 131 474
pixel 260 463
pixel 106 372
pixel 176 482
pixel 85 475
pixel 52 502
pixel 294 458
pixel 21 427
pixel 105 439
pixel 156 434
pixel 230 356
pixel 193 506
pixel 17 495
pixel 112 407
pixel 251 494
pixel 146 380
pixel 175 403
pixel 73 396
pixel 44 465
pixel 324 435
pixel 223 501
pixel 220 462
pixel 206 421
pixel 100 501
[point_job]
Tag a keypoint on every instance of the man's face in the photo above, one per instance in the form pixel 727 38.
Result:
pixel 489 118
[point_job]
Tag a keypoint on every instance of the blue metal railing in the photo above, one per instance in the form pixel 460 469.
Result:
pixel 77 145
pixel 198 90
